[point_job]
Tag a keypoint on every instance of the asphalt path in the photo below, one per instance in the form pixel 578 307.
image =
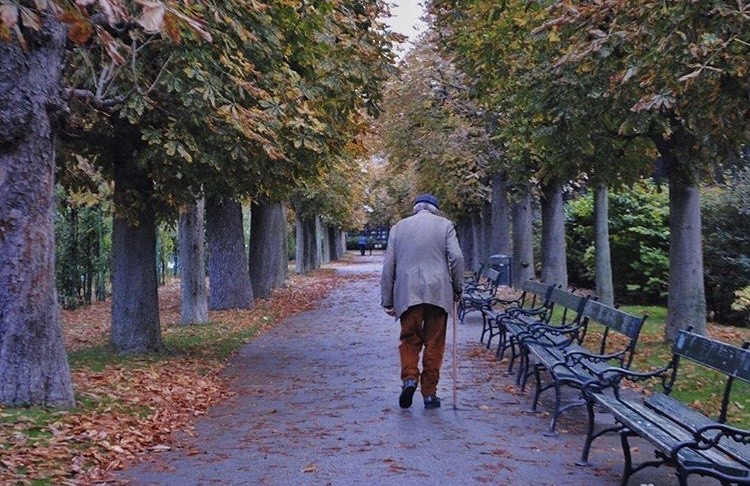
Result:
pixel 316 403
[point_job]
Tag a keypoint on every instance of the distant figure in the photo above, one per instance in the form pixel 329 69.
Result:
pixel 422 276
pixel 362 243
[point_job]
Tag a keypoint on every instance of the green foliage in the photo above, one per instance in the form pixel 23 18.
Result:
pixel 639 242
pixel 434 138
pixel 726 247
pixel 82 254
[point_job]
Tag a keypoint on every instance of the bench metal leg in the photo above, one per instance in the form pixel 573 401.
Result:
pixel 591 436
pixel 629 470
pixel 555 411
pixel 538 391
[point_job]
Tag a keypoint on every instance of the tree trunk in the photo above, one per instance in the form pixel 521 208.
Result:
pixel 333 239
pixel 194 293
pixel 486 219
pixel 33 365
pixel 554 261
pixel 476 237
pixel 229 278
pixel 686 304
pixel 325 246
pixel 500 239
pixel 523 236
pixel 135 302
pixel 308 254
pixel 267 257
pixel 603 277
pixel 466 241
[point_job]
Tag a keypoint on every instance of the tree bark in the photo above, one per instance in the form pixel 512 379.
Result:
pixel 476 237
pixel 193 289
pixel 554 261
pixel 466 241
pixel 33 364
pixel 486 219
pixel 325 245
pixel 267 257
pixel 229 278
pixel 603 262
pixel 135 302
pixel 686 304
pixel 333 240
pixel 523 236
pixel 500 240
pixel 308 253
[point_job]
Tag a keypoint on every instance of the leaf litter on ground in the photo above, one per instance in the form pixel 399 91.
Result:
pixel 130 407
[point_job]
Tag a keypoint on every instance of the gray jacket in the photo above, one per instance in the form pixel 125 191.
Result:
pixel 423 264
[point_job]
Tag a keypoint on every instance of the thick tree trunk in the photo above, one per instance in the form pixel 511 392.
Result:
pixel 465 236
pixel 603 262
pixel 554 261
pixel 523 236
pixel 325 245
pixel 333 243
pixel 135 302
pixel 228 275
pixel 267 257
pixel 308 253
pixel 476 237
pixel 486 219
pixel 194 292
pixel 500 239
pixel 33 365
pixel 686 304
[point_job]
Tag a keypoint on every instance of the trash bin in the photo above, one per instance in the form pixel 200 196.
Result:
pixel 502 263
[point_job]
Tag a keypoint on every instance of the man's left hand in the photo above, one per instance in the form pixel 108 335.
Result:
pixel 390 311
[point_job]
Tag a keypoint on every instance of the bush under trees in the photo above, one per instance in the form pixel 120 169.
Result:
pixel 639 239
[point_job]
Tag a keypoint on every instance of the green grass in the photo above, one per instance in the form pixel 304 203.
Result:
pixel 214 340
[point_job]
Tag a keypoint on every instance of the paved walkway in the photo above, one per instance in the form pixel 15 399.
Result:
pixel 317 404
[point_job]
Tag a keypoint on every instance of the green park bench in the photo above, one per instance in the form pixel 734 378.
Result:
pixel 681 435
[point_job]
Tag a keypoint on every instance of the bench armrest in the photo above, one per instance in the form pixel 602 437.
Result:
pixel 722 430
pixel 613 374
pixel 531 311
pixel 575 357
pixel 537 330
pixel 708 437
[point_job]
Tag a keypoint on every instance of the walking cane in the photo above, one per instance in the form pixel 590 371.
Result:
pixel 455 359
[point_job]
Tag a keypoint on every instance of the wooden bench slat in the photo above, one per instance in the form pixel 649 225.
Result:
pixel 692 420
pixel 664 434
pixel 726 358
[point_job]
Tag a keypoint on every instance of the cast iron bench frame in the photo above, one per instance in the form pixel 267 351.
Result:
pixel 573 360
pixel 681 435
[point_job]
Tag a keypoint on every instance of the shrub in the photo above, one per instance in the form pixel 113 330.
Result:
pixel 726 247
pixel 639 242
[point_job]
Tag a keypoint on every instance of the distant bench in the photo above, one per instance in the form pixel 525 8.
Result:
pixel 682 436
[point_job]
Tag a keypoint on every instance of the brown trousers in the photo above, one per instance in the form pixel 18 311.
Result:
pixel 423 325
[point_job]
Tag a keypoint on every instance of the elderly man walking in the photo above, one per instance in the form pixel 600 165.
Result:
pixel 422 277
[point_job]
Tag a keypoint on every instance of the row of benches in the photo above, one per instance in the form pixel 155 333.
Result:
pixel 549 330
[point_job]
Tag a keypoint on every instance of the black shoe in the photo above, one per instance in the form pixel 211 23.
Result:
pixel 407 393
pixel 431 401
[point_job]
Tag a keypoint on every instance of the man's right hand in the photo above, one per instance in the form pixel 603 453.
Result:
pixel 390 311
